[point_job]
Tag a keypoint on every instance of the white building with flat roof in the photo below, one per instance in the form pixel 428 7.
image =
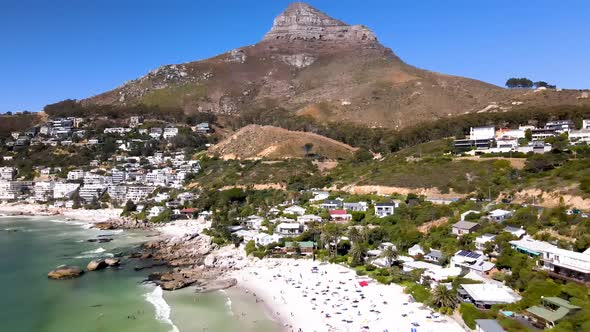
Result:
pixel 482 133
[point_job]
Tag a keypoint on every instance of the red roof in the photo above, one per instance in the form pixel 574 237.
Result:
pixel 188 210
pixel 337 211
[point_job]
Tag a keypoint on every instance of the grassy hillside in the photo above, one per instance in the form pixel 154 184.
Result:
pixel 267 142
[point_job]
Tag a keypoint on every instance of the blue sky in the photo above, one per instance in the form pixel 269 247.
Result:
pixel 53 50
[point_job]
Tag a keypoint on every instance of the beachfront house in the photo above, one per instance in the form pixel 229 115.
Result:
pixel 482 240
pixel 383 210
pixel 289 229
pixel 561 263
pixel 464 227
pixel 437 276
pixel 550 312
pixel 500 215
pixel 303 247
pixel 295 210
pixel 264 239
pixel 484 296
pixel 472 262
pixel 488 325
pixel 416 250
pixel 340 216
pixel 419 265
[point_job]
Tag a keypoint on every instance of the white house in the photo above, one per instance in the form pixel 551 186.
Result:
pixel 309 218
pixel 471 262
pixel 500 215
pixel 482 133
pixel 295 209
pixel 385 209
pixel 516 231
pixel 442 274
pixel 486 295
pixel 264 239
pixel 75 175
pixel 419 265
pixel 156 211
pixel 480 241
pixel 254 222
pixel 288 229
pixel 357 207
pixel 170 132
pixel 416 250
pixel 319 195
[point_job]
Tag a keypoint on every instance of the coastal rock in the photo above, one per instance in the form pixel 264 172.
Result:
pixel 215 285
pixel 105 226
pixel 96 264
pixel 112 261
pixel 65 272
pixel 210 261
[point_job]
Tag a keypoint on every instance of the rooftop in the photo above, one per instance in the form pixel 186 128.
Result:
pixel 491 293
pixel 465 225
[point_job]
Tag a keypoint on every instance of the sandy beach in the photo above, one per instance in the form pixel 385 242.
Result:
pixel 332 299
pixel 92 216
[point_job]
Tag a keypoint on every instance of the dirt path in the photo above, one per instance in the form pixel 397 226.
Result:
pixel 516 163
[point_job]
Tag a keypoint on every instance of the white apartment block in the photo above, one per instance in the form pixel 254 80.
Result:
pixel 170 132
pixel 64 190
pixel 7 173
pixel 43 191
pixel 482 133
pixel 138 193
pixel 75 175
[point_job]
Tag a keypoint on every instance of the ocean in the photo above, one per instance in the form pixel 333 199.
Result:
pixel 107 300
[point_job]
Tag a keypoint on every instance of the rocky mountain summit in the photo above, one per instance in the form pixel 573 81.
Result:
pixel 316 66
pixel 300 21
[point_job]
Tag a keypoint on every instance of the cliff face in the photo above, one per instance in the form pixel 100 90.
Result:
pixel 317 66
pixel 303 22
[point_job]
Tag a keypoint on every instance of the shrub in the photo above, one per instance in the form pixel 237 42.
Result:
pixel 470 313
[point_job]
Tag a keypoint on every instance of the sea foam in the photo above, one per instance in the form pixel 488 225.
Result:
pixel 163 310
pixel 228 303
pixel 100 252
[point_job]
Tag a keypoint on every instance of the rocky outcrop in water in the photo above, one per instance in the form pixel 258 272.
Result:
pixel 65 272
pixel 96 264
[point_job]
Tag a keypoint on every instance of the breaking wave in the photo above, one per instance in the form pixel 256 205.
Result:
pixel 163 310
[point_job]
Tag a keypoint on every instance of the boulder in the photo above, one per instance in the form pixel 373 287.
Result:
pixel 96 264
pixel 104 225
pixel 65 272
pixel 112 261
pixel 210 261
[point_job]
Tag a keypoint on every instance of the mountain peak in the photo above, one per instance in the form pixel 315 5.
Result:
pixel 301 21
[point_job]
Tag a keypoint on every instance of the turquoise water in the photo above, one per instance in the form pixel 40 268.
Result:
pixel 107 300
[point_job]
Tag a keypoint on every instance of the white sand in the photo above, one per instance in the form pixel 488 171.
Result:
pixel 91 216
pixel 181 228
pixel 303 299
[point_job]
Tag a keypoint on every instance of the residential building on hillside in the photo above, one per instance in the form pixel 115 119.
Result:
pixel 43 191
pixel 383 210
pixel 416 250
pixel 482 240
pixel 288 229
pixel 472 262
pixel 500 215
pixel 561 263
pixel 550 312
pixel 434 256
pixel 486 295
pixel 330 204
pixel 464 227
pixel 516 231
pixel 64 190
pixel 357 207
pixel 466 213
pixel 295 210
pixel 488 325
pixel 340 216
pixel 7 173
pixel 305 219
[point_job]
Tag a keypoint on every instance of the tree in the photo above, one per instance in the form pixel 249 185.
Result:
pixel 522 82
pixel 307 148
pixel 528 134
pixel 389 254
pixel 357 253
pixel 330 234
pixel 444 297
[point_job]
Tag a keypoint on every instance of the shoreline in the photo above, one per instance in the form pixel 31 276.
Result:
pixel 333 300
pixel 41 210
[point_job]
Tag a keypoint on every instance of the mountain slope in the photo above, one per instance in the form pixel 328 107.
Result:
pixel 317 66
pixel 256 142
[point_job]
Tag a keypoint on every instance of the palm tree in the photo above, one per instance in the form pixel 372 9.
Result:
pixel 358 254
pixel 330 234
pixel 389 254
pixel 444 297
